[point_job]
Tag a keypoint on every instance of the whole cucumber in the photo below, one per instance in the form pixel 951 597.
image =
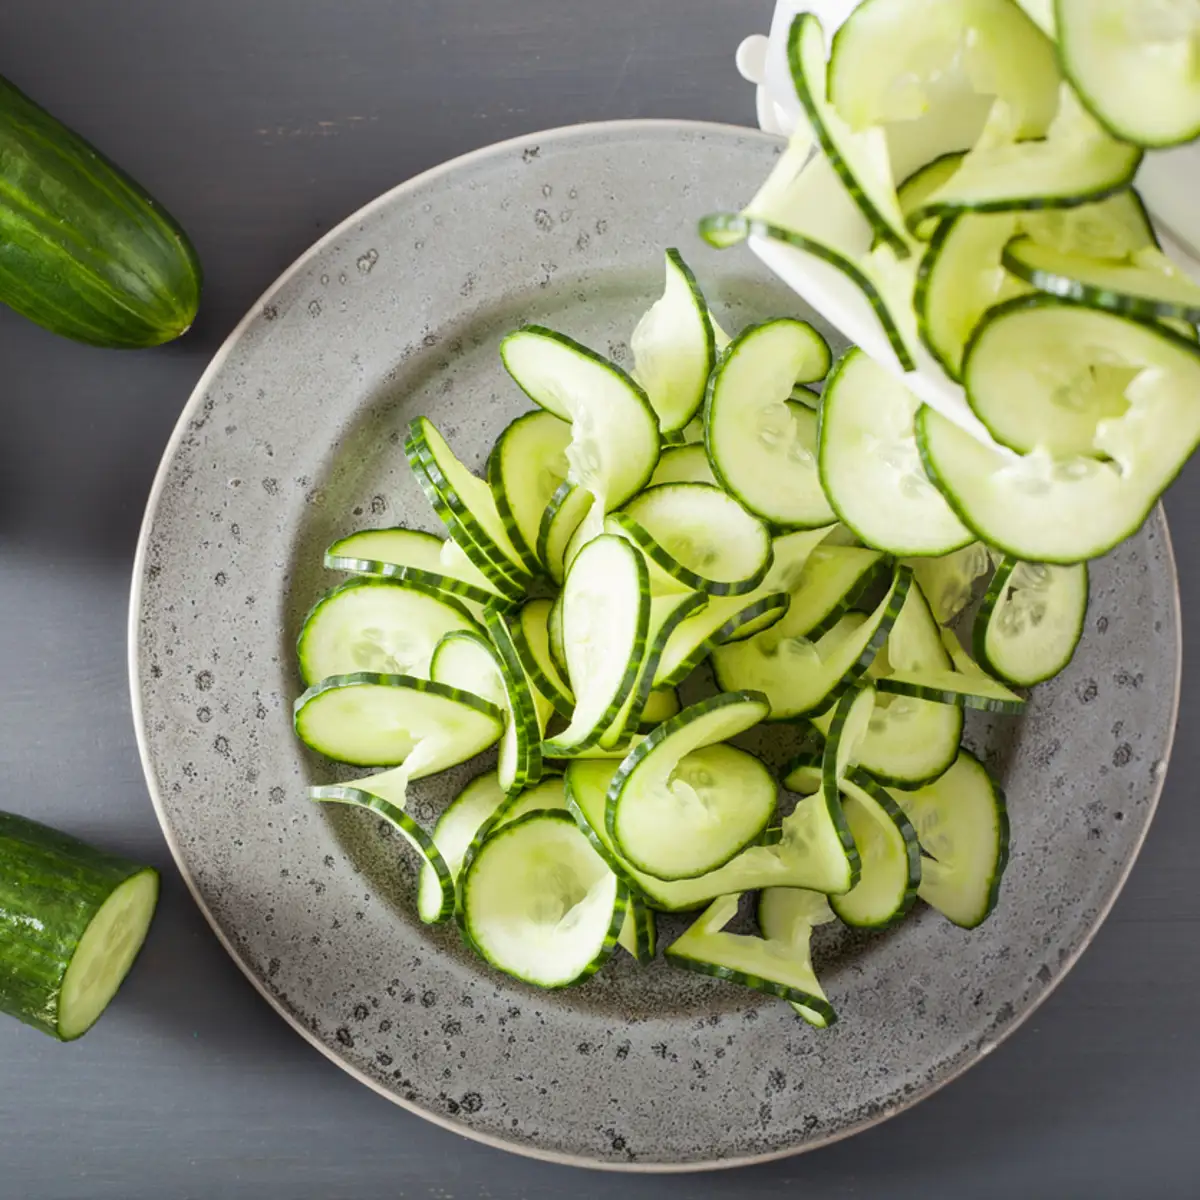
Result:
pixel 85 251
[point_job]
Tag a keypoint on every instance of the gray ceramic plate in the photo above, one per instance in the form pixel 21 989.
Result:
pixel 293 438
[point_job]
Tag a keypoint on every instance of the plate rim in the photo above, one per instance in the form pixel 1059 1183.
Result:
pixel 188 412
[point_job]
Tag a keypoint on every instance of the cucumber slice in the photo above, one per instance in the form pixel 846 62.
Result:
pixel 371 720
pixel 661 705
pixel 666 614
pixel 527 466
pixel 1076 163
pixel 684 464
pixel 814 848
pixel 699 537
pixel 833 580
pixel 681 805
pixel 891 60
pixel 411 556
pixel 761 444
pixel 520 761
pixel 466 814
pixel 539 903
pixel 959 280
pixel 871 468
pixel 967 684
pixel 1133 63
pixel 1148 285
pixel 563 517
pixel 948 581
pixel 799 676
pixel 605 619
pixel 639 934
pixel 72 920
pixel 890 852
pixel 614 430
pixel 788 916
pixel 436 903
pixel 467 496
pixel 674 350
pixel 962 823
pixel 851 720
pixel 1070 379
pixel 920 185
pixel 376 625
pixel 1110 228
pixel 531 637
pixel 468 661
pixel 802 774
pixel 857 152
pixel 1031 620
pixel 782 969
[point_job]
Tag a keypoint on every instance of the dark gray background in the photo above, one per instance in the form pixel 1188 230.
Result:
pixel 261 123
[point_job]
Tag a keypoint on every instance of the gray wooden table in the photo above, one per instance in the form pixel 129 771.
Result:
pixel 261 123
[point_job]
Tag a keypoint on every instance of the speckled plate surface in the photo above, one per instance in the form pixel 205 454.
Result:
pixel 293 438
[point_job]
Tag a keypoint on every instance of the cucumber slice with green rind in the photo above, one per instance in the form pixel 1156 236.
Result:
pixel 1149 285
pixel 674 349
pixel 962 823
pixel 605 620
pixel 531 637
pixel 683 464
pixel 526 467
pixel 435 910
pixel 871 468
pixel 466 660
pixel 920 185
pixel 762 444
pixel 540 904
pixel 72 921
pixel 1133 63
pixel 1031 620
pixel 890 852
pixel 858 155
pixel 774 968
pixel 789 915
pixel 371 720
pixel 565 513
pixel 520 761
pixel 948 581
pixel 639 934
pixel 377 625
pixel 661 705
pixel 699 536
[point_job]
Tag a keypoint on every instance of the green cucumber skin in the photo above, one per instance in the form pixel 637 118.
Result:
pixel 51 887
pixel 84 251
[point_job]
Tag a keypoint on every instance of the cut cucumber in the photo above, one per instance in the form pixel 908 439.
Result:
pixel 832 582
pixel 1146 285
pixel 563 517
pixel 72 920
pixel 967 684
pixel 871 468
pixel 661 705
pixel 948 582
pixel 527 466
pixel 959 280
pixel 1133 63
pixel 890 852
pixel 412 556
pixel 376 625
pixel 468 661
pixel 639 934
pixel 857 152
pixel 605 620
pixel 1110 228
pixel 892 59
pixel 371 720
pixel 1071 379
pixel 674 350
pixel 467 496
pixel 920 185
pixel 799 676
pixel 531 636
pixel 539 903
pixel 1076 163
pixel 788 916
pixel 699 537
pixel 782 969
pixel 520 761
pixel 436 894
pixel 681 805
pixel 684 464
pixel 1031 620
pixel 761 444
pixel 614 430
pixel 962 823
